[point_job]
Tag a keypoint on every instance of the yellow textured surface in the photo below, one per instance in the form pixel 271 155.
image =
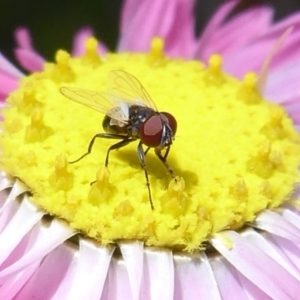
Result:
pixel 235 154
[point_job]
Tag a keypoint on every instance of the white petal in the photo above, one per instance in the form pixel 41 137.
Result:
pixel 194 278
pixel 158 275
pixel 89 278
pixel 18 189
pixel 132 253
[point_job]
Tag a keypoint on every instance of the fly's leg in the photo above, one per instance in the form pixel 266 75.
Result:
pixel 101 135
pixel 142 158
pixel 117 146
pixel 163 158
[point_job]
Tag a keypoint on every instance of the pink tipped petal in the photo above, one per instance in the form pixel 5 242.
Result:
pixel 91 271
pixel 293 110
pixel 81 36
pixel 212 26
pixel 277 225
pixel 252 291
pixel 227 279
pixel 171 20
pixel 9 69
pixel 182 30
pixel 134 35
pixel 132 253
pixel 238 31
pixel 158 277
pixel 48 277
pixel 7 84
pixel 194 271
pixel 282 84
pixel 257 266
pixel 24 219
pixel 12 286
pixel 23 38
pixel 25 53
pixel 30 60
pixel 49 238
pixel 262 241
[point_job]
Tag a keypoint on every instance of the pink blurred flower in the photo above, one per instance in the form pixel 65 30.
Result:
pixel 37 262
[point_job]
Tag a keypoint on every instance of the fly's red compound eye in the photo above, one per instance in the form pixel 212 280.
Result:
pixel 151 131
pixel 171 121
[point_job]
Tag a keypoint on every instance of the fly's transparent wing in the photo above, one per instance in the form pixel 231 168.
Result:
pixel 97 101
pixel 123 86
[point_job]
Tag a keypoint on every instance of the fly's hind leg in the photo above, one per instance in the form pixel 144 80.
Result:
pixel 105 136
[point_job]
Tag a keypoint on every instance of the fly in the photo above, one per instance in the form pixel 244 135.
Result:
pixel 130 115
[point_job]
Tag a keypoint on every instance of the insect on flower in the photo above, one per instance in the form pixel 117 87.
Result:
pixel 130 115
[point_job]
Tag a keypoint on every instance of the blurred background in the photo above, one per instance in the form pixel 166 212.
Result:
pixel 53 23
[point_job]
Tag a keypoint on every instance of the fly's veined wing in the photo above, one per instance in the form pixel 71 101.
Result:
pixel 96 101
pixel 122 86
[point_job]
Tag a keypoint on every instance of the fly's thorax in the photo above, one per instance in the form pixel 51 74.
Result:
pixel 137 116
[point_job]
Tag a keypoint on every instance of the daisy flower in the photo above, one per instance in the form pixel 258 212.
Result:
pixel 225 225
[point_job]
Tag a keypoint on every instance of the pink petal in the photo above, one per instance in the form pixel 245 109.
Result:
pixel 29 60
pixel 12 286
pixel 23 220
pixel 227 279
pixel 132 253
pixel 48 239
pixel 23 38
pixel 80 38
pixel 91 271
pixel 171 20
pixel 288 251
pixel 47 278
pixel 25 53
pixel 213 25
pixel 277 225
pixel 252 291
pixel 262 241
pixel 7 84
pixel 194 271
pixel 251 57
pixel 257 266
pixel 9 69
pixel 230 37
pixel 283 82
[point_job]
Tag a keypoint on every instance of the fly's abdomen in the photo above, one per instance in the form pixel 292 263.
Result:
pixel 113 126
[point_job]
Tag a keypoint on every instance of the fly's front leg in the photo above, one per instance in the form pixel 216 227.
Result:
pixel 99 135
pixel 163 158
pixel 142 158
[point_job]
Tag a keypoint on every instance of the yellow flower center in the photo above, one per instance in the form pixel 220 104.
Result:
pixel 234 155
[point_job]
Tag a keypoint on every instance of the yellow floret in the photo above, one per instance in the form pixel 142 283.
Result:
pixel 235 154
